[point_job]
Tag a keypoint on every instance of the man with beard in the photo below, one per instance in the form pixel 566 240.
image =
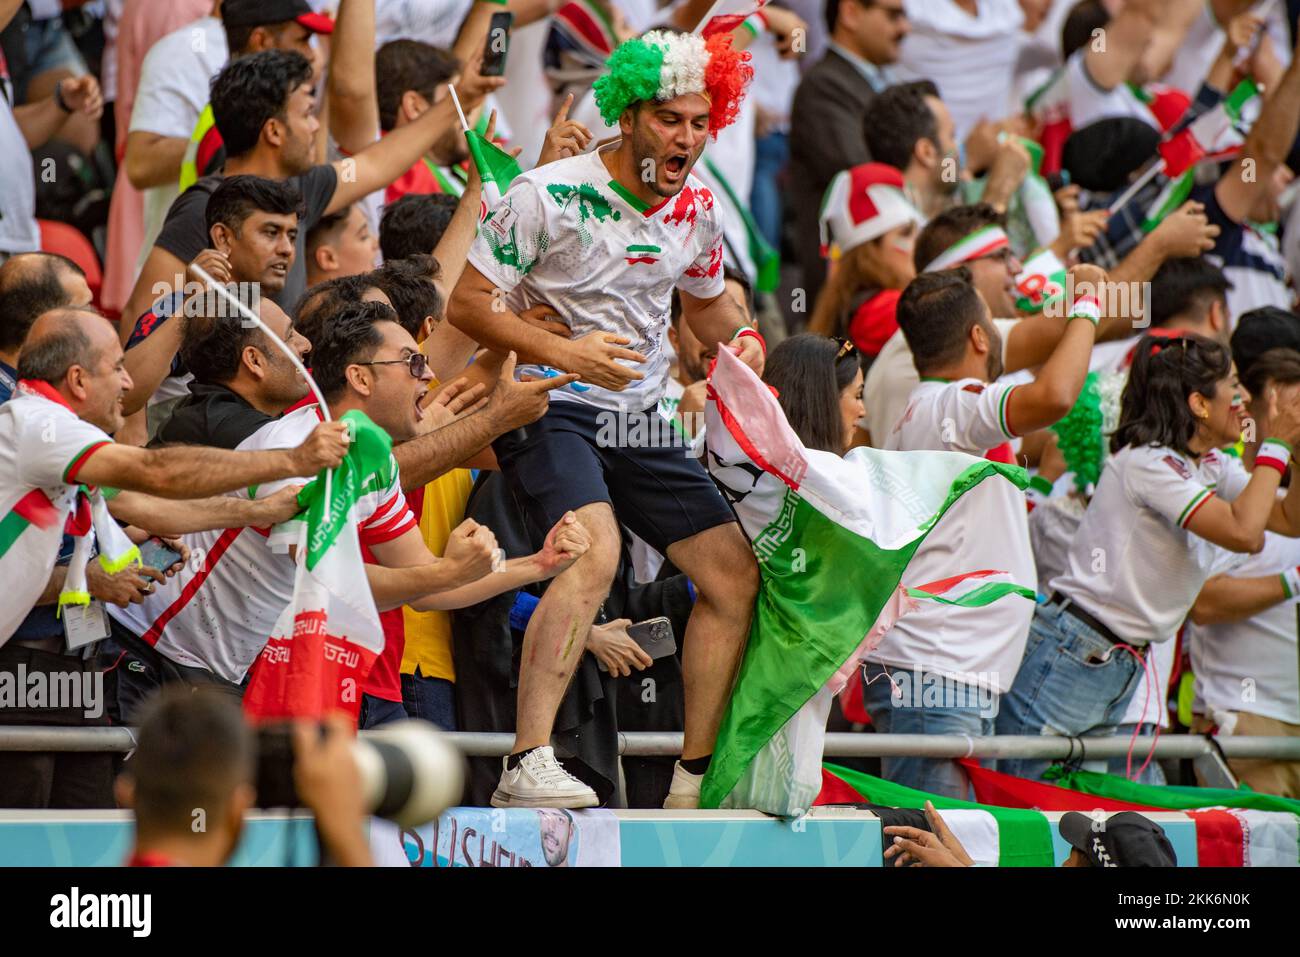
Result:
pixel 603 238
pixel 555 832
pixel 950 665
pixel 410 77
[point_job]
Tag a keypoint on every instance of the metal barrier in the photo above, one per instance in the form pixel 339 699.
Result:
pixel 648 744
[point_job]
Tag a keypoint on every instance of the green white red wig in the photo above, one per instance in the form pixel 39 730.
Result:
pixel 663 64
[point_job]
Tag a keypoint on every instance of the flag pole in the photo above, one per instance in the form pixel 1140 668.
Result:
pixel 1156 165
pixel 279 343
pixel 699 27
pixel 455 101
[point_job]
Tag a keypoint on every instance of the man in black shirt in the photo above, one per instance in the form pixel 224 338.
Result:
pixel 264 107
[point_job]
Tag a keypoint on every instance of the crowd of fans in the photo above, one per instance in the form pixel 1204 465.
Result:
pixel 1054 233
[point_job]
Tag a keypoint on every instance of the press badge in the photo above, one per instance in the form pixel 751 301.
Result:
pixel 84 624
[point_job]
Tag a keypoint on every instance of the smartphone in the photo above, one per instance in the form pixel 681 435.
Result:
pixel 157 554
pixel 654 635
pixel 497 45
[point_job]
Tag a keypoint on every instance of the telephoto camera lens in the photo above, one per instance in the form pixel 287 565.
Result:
pixel 410 773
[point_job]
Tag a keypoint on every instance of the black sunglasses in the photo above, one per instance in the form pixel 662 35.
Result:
pixel 417 363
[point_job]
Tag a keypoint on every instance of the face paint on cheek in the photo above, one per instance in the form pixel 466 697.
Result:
pixel 904 244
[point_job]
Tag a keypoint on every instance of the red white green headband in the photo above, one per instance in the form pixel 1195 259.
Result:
pixel 663 64
pixel 977 245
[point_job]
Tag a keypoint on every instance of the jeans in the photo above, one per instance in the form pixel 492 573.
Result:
pixel 430 699
pixel 938 706
pixel 771 154
pixel 376 712
pixel 1072 682
pixel 1154 774
pixel 48 46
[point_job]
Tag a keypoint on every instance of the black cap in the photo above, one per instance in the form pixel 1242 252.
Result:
pixel 258 13
pixel 1101 156
pixel 1125 839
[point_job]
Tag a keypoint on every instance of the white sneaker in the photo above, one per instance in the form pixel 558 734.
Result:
pixel 538 780
pixel 684 794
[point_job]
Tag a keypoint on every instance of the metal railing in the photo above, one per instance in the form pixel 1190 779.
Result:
pixel 651 744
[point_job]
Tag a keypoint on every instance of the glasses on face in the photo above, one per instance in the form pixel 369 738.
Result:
pixel 417 363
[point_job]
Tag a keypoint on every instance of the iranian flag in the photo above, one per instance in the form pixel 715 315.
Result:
pixel 1213 136
pixel 325 641
pixel 992 836
pixel 725 15
pixel 833 537
pixel 1239 828
pixel 496 168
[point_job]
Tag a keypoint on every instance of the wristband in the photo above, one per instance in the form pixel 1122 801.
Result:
pixel 498 3
pixel 59 101
pixel 755 23
pixel 1086 307
pixel 747 331
pixel 1274 454
pixel 1291 583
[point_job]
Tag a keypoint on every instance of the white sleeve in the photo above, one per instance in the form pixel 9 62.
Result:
pixel 703 277
pixel 1233 477
pixel 1161 480
pixel 52 449
pixel 514 237
pixel 973 416
pixel 391 516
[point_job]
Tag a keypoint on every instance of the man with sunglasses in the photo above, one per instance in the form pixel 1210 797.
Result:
pixel 212 620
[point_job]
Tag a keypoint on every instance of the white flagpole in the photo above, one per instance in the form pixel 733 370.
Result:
pixel 256 320
pixel 455 101
pixel 1147 176
pixel 699 27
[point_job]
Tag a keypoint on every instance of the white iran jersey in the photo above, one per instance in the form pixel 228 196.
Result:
pixel 43 444
pixel 1133 564
pixel 1252 665
pixel 984 530
pixel 964 416
pixel 218 612
pixel 568 235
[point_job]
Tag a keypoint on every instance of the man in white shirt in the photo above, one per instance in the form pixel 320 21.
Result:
pixel 972 654
pixel 54 439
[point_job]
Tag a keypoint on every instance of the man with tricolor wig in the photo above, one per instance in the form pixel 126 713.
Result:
pixel 604 238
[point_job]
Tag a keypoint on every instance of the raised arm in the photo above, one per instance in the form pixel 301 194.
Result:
pixel 196 471
pixel 1056 388
pixel 354 107
pixel 1266 147
pixel 382 162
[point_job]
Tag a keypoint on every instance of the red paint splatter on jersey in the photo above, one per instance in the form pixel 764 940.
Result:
pixel 689 204
pixel 715 264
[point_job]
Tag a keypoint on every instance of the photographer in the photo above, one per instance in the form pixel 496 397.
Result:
pixel 191 780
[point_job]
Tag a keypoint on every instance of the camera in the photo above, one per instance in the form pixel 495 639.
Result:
pixel 410 773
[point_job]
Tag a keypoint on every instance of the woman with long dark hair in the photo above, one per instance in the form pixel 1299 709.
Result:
pixel 1167 506
pixel 819 385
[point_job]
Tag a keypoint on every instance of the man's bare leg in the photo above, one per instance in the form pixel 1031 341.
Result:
pixel 721 565
pixel 557 632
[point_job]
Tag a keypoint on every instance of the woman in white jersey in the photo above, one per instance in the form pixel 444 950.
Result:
pixel 1167 504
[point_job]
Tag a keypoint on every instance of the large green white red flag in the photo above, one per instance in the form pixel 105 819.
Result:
pixel 833 537
pixel 325 642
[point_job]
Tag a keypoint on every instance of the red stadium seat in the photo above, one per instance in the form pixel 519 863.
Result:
pixel 67 241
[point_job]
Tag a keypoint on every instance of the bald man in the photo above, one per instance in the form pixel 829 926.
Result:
pixel 55 437
pixel 30 284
